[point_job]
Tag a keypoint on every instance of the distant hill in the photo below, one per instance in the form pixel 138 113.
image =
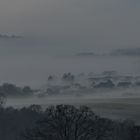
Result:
pixel 4 36
pixel 86 54
pixel 127 52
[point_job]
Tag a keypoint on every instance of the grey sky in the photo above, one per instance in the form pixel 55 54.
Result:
pixel 89 23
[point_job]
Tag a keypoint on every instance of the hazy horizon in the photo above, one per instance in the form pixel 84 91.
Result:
pixel 55 30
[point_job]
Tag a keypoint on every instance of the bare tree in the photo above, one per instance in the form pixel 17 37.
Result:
pixel 64 122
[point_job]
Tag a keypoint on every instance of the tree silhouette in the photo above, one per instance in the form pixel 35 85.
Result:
pixel 2 99
pixel 64 122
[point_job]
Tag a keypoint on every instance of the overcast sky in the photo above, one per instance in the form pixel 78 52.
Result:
pixel 98 23
pixel 66 26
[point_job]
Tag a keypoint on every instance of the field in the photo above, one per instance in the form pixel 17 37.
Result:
pixel 114 108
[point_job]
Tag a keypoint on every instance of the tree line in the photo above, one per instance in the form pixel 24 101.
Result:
pixel 62 122
pixel 11 90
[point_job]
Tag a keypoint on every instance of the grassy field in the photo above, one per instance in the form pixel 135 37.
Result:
pixel 119 108
pixel 114 108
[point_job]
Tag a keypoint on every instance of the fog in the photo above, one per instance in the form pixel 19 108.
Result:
pixel 102 96
pixel 115 104
pixel 54 31
pixel 81 24
pixel 31 65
